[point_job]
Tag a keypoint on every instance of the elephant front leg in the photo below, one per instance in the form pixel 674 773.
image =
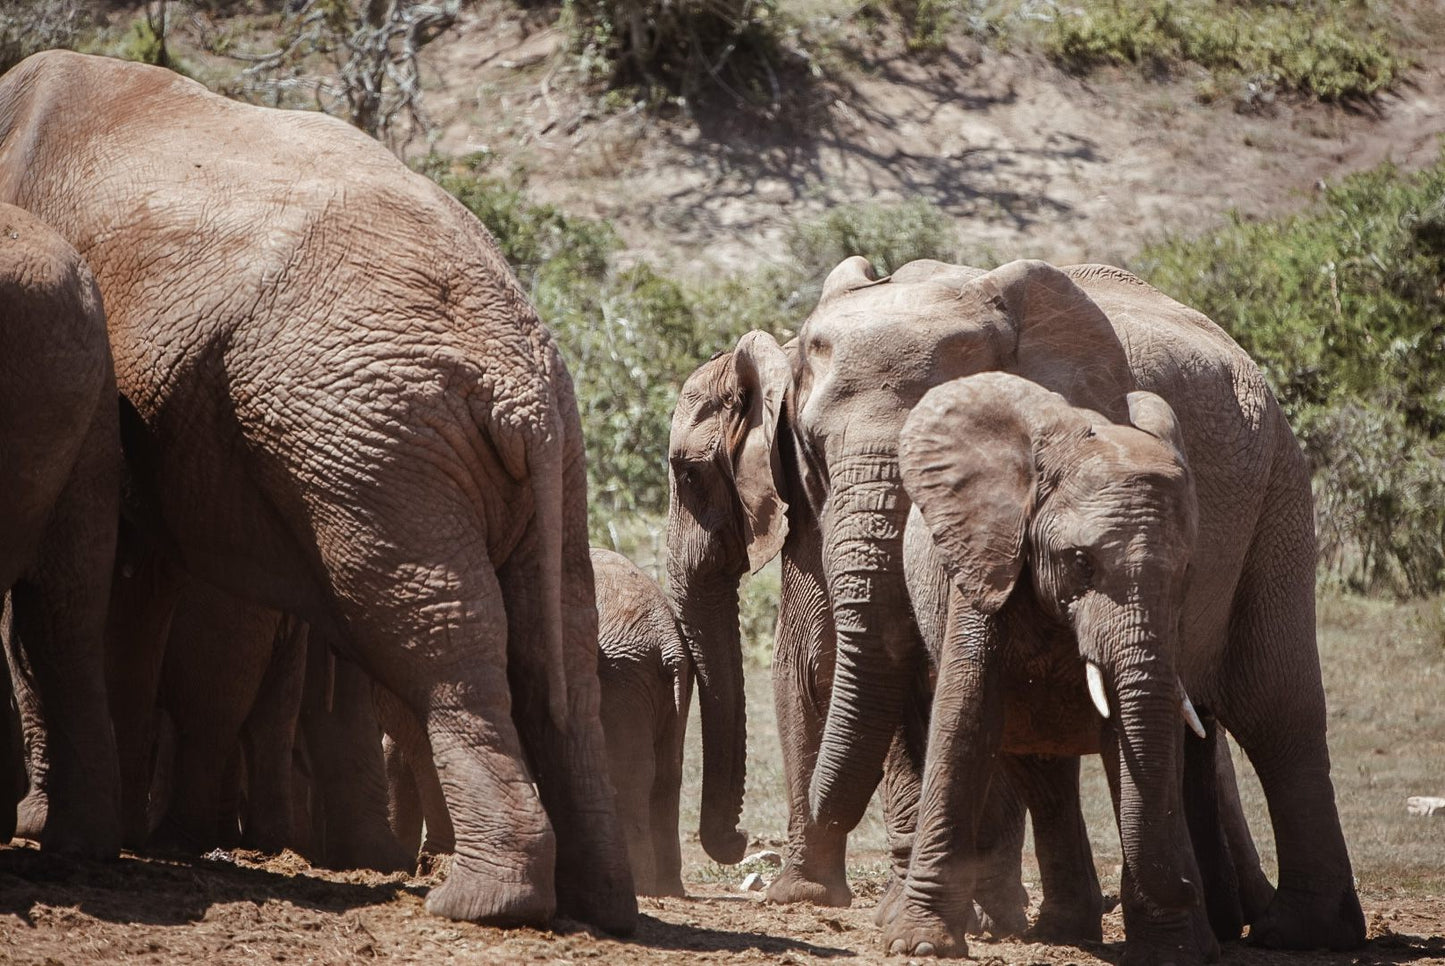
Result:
pixel 814 869
pixel 963 739
pixel 1072 903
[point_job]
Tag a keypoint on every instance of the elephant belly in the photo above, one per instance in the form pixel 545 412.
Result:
pixel 1047 710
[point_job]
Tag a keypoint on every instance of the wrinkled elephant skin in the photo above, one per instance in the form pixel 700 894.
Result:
pixel 339 404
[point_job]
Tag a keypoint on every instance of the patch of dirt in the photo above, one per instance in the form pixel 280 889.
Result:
pixel 1029 160
pixel 243 908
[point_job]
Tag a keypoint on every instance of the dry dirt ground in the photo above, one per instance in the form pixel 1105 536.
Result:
pixel 239 909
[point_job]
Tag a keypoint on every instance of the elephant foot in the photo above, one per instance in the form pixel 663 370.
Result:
pixel 30 815
pixel 482 899
pixel 387 855
pixel 794 885
pixel 1297 919
pixel 1066 924
pixel 917 933
pixel 665 886
pixel 609 904
pixel 1003 912
pixel 890 903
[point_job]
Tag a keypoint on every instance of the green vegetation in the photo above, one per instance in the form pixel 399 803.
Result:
pixel 29 26
pixel 1327 49
pixel 687 52
pixel 1343 306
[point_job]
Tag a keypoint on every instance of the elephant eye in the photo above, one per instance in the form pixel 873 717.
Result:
pixel 1081 565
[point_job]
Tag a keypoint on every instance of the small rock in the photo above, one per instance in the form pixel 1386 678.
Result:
pixel 752 882
pixel 1425 805
pixel 767 856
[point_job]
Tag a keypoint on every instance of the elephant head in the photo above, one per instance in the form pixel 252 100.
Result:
pixel 1015 484
pixel 868 353
pixel 726 517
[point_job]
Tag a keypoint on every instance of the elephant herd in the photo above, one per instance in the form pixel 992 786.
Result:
pixel 294 532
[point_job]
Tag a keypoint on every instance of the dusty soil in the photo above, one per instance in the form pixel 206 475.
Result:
pixel 243 909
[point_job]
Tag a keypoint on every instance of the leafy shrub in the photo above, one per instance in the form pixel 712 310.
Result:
pixel 1343 306
pixel 690 50
pixel 29 26
pixel 1326 49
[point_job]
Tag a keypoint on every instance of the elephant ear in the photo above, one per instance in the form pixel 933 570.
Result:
pixel 764 376
pixel 966 454
pixel 1064 340
pixel 1156 417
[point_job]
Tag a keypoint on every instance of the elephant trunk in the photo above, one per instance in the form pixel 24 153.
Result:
pixel 708 619
pixel 862 550
pixel 1145 693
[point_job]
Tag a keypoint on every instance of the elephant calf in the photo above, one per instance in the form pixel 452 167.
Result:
pixel 646 679
pixel 645 674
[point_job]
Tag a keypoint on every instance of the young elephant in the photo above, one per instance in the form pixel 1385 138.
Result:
pixel 646 679
pixel 1077 533
pixel 59 494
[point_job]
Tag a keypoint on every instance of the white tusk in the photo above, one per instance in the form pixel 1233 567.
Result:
pixel 1096 688
pixel 1191 717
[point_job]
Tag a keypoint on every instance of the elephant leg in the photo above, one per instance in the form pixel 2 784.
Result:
pixel 204 751
pixel 270 738
pixel 12 741
pixel 1072 903
pixel 1255 891
pixel 631 760
pixel 144 592
pixel 59 614
pixel 343 738
pixel 594 883
pixel 1207 834
pixel 1271 700
pixel 665 804
pixel 999 887
pixel 403 800
pixel 31 806
pixel 416 776
pixel 814 869
pixel 963 741
pixel 1155 936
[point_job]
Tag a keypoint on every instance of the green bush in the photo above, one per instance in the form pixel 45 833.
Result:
pixel 1330 50
pixel 689 50
pixel 30 26
pixel 1343 306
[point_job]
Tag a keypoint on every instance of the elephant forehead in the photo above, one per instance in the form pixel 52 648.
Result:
pixel 920 309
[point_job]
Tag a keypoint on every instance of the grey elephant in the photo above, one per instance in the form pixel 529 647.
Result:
pixel 59 503
pixel 870 351
pixel 1073 537
pixel 339 404
pixel 737 500
pixel 231 683
pixel 645 675
pixel 646 678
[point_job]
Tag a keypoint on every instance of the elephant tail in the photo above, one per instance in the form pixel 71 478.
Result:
pixel 547 473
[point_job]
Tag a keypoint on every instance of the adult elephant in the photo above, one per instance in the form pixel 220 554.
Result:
pixel 341 405
pixel 59 502
pixel 873 347
pixel 739 498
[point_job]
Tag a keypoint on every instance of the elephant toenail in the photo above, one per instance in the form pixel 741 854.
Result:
pixel 896 949
pixel 924 949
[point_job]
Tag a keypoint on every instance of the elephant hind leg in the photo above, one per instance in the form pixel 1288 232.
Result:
pixel 1271 699
pixel 594 880
pixel 58 628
